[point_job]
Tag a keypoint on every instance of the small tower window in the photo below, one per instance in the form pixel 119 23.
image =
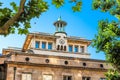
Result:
pixel 60 25
pixel 43 45
pixel 57 25
pixel 37 43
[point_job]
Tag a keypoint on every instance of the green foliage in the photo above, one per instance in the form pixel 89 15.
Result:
pixel 58 3
pixel 112 75
pixel 5 15
pixel 108 37
pixel 108 41
pixel 0 4
pixel 77 7
pixel 111 6
pixel 13 4
pixel 32 9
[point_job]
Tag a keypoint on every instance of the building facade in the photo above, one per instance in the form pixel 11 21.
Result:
pixel 51 57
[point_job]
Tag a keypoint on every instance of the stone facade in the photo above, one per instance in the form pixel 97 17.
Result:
pixel 38 66
pixel 52 57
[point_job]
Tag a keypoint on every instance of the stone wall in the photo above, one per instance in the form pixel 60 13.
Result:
pixel 37 72
pixel 59 60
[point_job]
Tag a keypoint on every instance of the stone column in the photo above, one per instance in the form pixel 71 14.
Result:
pixel 46 45
pixel 40 45
pixel 73 48
pixel 85 49
pixel 32 43
pixel 78 48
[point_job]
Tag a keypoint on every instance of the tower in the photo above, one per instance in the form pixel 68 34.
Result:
pixel 61 41
pixel 60 25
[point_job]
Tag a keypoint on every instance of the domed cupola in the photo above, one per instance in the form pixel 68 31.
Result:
pixel 60 26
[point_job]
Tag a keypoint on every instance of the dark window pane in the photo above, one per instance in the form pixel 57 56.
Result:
pixel 61 47
pixel 86 78
pixel 101 65
pixel 64 78
pixel 64 48
pixel 58 47
pixel 67 77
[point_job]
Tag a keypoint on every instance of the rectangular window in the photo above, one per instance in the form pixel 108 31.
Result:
pixel 37 43
pixel 102 79
pixel 76 48
pixel 67 77
pixel 49 46
pixel 26 76
pixel 82 49
pixel 47 77
pixel 86 78
pixel 43 45
pixel 70 48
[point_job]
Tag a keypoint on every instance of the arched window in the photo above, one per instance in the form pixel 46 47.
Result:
pixel 64 48
pixel 58 47
pixel 61 47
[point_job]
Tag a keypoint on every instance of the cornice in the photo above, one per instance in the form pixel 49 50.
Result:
pixel 54 66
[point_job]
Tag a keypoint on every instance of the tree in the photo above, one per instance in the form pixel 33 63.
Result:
pixel 108 37
pixel 12 19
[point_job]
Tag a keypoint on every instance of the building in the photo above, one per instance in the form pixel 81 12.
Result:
pixel 52 57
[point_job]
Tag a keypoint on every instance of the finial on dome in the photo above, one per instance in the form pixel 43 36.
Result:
pixel 59 19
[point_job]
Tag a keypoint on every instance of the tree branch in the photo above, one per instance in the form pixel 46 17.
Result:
pixel 6 26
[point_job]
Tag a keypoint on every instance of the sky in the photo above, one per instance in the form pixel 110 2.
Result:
pixel 80 24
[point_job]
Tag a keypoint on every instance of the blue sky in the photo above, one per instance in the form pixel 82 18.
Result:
pixel 81 24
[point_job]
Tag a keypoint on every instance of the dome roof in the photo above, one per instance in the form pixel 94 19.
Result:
pixel 59 21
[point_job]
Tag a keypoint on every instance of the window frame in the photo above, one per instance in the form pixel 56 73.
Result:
pixel 46 75
pixel 37 44
pixel 50 45
pixel 76 49
pixel 66 77
pixel 43 47
pixel 26 74
pixel 82 49
pixel 70 48
pixel 86 78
